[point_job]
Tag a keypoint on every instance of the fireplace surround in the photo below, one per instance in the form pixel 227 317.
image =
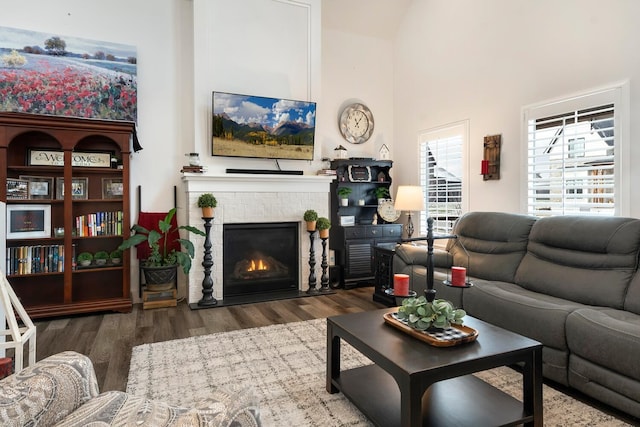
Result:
pixel 247 198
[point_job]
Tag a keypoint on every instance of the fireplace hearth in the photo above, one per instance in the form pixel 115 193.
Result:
pixel 260 259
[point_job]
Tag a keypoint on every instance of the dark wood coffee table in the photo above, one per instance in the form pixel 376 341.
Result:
pixel 411 383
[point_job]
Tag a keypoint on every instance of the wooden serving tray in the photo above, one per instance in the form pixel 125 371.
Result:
pixel 455 335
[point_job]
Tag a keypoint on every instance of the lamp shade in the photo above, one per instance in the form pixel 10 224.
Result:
pixel 409 198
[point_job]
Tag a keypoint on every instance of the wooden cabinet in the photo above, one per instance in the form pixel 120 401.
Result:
pixel 353 236
pixel 76 199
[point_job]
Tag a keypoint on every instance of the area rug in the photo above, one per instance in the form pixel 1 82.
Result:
pixel 286 366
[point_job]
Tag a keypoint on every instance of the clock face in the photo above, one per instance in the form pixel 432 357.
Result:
pixel 356 123
pixel 387 211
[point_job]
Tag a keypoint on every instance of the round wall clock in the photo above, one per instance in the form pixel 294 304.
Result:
pixel 356 123
pixel 387 211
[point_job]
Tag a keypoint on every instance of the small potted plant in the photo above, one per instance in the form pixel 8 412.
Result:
pixel 422 315
pixel 381 193
pixel 207 202
pixel 343 194
pixel 323 225
pixel 115 256
pixel 310 216
pixel 101 257
pixel 84 259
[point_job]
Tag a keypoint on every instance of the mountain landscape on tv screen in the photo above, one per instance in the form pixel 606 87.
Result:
pixel 251 126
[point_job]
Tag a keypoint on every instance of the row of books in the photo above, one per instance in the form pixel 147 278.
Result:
pixel 36 259
pixel 99 224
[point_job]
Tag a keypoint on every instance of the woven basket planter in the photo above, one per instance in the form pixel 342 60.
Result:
pixel 160 278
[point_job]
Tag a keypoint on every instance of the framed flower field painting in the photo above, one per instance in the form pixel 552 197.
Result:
pixel 44 73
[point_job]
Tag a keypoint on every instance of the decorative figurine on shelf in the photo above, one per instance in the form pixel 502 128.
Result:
pixel 341 152
pixel 384 153
pixel 375 219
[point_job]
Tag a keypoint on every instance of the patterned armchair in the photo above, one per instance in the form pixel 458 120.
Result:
pixel 62 390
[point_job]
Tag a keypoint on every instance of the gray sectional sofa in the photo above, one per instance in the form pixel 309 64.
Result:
pixel 570 282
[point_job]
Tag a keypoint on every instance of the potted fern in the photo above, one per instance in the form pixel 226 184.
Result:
pixel 160 268
pixel 101 257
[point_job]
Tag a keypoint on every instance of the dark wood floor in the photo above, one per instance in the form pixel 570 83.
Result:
pixel 108 338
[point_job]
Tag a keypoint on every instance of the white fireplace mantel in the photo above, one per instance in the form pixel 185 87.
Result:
pixel 250 198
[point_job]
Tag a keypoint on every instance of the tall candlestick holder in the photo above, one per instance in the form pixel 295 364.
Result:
pixel 324 279
pixel 312 264
pixel 207 283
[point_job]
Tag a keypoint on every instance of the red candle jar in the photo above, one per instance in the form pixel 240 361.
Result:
pixel 401 284
pixel 458 276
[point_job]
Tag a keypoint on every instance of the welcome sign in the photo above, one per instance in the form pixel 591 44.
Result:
pixel 56 158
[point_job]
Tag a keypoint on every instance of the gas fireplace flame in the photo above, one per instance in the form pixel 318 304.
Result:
pixel 257 266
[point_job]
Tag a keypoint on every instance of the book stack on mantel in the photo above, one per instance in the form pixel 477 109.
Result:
pixel 193 169
pixel 327 172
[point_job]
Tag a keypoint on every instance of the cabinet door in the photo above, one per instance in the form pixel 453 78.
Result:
pixel 359 259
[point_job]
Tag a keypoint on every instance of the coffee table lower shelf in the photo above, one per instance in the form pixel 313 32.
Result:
pixel 458 401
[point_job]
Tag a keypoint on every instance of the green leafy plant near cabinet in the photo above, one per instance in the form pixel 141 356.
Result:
pixel 101 255
pixel 115 254
pixel 381 192
pixel 162 256
pixel 343 192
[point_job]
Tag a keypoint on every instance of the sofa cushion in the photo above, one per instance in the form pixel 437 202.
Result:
pixel 494 241
pixel 46 392
pixel 122 409
pixel 606 337
pixel 537 316
pixel 590 260
pixel 632 299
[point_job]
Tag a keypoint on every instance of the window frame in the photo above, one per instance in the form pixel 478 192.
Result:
pixel 445 131
pixel 617 94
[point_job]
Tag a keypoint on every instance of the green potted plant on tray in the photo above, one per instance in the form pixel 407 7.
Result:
pixel 423 315
pixel 310 216
pixel 115 256
pixel 101 257
pixel 84 259
pixel 161 266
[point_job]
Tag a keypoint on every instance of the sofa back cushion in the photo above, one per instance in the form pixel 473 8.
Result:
pixel 494 241
pixel 589 260
pixel 632 299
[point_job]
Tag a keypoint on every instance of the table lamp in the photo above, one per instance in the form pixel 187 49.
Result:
pixel 409 198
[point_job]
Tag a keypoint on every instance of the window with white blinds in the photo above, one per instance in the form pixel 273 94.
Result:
pixel 571 163
pixel 442 161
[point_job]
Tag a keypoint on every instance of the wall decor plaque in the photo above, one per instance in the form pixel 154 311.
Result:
pixel 78 158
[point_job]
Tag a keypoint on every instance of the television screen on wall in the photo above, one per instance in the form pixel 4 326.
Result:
pixel 260 127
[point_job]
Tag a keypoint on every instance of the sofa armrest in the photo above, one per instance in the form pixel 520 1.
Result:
pixel 417 255
pixel 47 391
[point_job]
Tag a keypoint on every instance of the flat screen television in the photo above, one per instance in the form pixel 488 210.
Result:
pixel 260 127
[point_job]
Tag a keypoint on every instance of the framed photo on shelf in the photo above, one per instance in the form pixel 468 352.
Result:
pixel 112 188
pixel 17 189
pixel 79 188
pixel 40 187
pixel 28 221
